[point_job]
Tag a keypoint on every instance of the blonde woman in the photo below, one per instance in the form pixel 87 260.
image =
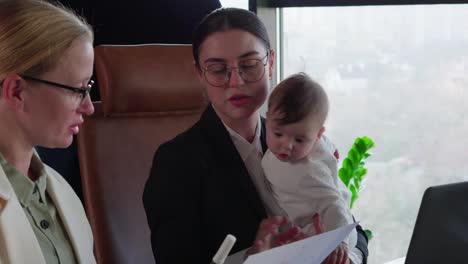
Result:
pixel 46 61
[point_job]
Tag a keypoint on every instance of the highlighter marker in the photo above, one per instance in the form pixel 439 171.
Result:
pixel 224 250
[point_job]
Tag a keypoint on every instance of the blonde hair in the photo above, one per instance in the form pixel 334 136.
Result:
pixel 34 34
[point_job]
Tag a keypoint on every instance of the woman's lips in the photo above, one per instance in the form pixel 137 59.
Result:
pixel 75 128
pixel 239 99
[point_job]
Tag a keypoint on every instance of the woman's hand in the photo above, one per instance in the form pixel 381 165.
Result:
pixel 340 254
pixel 269 236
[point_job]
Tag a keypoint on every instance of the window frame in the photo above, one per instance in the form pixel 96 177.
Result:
pixel 316 3
pixel 272 10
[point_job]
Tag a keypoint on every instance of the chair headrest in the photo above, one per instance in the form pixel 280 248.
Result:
pixel 147 78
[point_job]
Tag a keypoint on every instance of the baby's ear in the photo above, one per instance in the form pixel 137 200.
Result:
pixel 320 133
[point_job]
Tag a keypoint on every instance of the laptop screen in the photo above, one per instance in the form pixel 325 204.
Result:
pixel 441 231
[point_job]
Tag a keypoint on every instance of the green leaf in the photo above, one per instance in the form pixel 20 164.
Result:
pixel 353 190
pixel 360 174
pixel 354 156
pixel 369 234
pixel 353 199
pixel 360 145
pixel 347 164
pixel 353 168
pixel 369 143
pixel 345 175
pixel 357 140
pixel 357 184
pixel 354 194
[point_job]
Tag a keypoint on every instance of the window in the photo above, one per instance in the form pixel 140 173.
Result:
pixel 398 74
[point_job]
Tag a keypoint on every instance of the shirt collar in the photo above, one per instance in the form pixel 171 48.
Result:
pixel 24 187
pixel 242 145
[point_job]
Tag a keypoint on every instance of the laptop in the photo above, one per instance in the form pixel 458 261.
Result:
pixel 441 231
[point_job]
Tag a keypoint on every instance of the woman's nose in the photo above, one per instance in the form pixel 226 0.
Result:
pixel 235 79
pixel 87 106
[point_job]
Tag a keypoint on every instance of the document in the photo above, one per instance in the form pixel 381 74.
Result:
pixel 312 250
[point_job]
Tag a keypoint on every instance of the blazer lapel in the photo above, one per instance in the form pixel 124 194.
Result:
pixel 71 221
pixel 18 237
pixel 235 167
pixel 6 190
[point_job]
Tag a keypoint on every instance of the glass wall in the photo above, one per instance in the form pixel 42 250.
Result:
pixel 398 74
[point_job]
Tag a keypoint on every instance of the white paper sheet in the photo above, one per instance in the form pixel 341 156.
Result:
pixel 236 258
pixel 312 250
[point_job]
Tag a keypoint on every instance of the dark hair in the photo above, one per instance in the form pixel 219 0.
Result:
pixel 296 97
pixel 224 19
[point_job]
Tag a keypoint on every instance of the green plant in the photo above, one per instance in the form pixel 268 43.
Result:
pixel 352 171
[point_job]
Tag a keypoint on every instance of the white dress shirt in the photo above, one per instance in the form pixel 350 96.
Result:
pixel 251 154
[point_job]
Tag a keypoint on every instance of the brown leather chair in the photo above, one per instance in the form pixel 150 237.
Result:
pixel 149 94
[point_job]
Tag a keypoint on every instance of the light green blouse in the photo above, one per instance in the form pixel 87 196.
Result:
pixel 40 211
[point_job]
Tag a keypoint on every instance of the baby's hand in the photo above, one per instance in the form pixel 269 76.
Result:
pixel 340 254
pixel 336 154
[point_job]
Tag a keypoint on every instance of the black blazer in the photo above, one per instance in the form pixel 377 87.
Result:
pixel 199 191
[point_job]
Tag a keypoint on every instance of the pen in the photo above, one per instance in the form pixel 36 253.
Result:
pixel 224 250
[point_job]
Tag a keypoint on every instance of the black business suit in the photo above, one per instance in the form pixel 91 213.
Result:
pixel 199 191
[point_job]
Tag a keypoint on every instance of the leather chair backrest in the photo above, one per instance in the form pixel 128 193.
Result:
pixel 149 93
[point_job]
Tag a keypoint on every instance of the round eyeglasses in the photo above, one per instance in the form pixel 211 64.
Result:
pixel 250 70
pixel 82 92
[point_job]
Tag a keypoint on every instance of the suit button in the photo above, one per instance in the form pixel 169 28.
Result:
pixel 44 224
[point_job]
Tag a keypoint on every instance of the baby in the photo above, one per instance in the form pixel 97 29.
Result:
pixel 301 163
